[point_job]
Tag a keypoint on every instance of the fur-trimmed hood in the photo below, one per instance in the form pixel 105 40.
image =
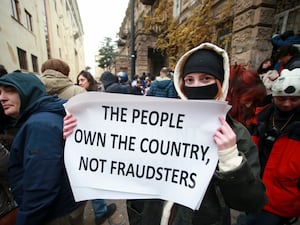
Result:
pixel 180 64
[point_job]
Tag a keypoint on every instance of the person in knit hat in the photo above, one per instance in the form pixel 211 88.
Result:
pixel 277 136
pixel 203 73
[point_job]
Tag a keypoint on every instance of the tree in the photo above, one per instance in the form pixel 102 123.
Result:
pixel 107 54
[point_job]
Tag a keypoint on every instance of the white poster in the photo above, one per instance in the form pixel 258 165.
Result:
pixel 133 147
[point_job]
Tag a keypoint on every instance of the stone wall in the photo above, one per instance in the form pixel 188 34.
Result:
pixel 252 32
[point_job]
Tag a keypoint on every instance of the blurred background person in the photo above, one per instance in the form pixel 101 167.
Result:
pixel 55 76
pixel 246 94
pixel 86 80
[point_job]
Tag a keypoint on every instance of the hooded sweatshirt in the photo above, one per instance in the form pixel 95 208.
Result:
pixel 36 170
pixel 235 186
pixel 111 83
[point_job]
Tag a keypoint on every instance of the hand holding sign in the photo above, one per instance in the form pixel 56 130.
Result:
pixel 142 147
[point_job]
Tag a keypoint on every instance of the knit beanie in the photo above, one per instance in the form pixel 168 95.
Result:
pixel 205 61
pixel 287 84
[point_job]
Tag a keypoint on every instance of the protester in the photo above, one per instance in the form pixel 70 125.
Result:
pixel 55 76
pixel 268 75
pixel 289 57
pixel 111 83
pixel 246 95
pixel 37 175
pixel 137 87
pixel 277 136
pixel 8 207
pixel 284 39
pixel 86 80
pixel 163 85
pixel 203 73
pixel 124 82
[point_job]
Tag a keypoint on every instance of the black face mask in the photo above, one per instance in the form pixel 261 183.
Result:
pixel 204 92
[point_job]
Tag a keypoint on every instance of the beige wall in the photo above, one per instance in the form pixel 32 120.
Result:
pixel 14 34
pixel 64 28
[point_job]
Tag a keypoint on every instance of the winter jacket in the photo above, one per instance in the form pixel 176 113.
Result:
pixel 112 85
pixel 162 87
pixel 6 200
pixel 58 83
pixel 293 63
pixel 279 41
pixel 37 175
pixel 239 188
pixel 280 163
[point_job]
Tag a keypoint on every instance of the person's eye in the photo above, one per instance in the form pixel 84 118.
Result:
pixel 10 89
pixel 295 99
pixel 188 80
pixel 208 78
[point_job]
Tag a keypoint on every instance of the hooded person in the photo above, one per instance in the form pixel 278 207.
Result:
pixel 37 175
pixel 203 73
pixel 111 83
pixel 277 136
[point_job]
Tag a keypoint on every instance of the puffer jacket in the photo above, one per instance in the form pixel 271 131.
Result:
pixel 162 87
pixel 240 188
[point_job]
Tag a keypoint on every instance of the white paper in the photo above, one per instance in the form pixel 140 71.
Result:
pixel 132 147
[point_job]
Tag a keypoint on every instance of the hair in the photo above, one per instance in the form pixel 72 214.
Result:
pixel 3 71
pixel 287 50
pixel 261 70
pixel 57 65
pixel 220 91
pixel 93 86
pixel 245 86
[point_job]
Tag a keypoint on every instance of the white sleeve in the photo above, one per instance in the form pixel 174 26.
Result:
pixel 229 159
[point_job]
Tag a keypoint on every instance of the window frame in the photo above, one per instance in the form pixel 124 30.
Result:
pixel 22 56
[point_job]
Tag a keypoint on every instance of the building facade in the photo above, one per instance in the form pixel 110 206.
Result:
pixel 243 28
pixel 32 31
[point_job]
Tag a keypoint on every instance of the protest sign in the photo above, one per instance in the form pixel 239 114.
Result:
pixel 131 147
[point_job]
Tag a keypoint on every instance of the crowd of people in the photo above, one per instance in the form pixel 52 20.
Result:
pixel 258 172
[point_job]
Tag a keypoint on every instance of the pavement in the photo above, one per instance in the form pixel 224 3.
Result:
pixel 118 218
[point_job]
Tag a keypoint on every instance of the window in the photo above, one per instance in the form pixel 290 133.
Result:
pixel 35 65
pixel 287 20
pixel 28 20
pixel 15 9
pixel 22 59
